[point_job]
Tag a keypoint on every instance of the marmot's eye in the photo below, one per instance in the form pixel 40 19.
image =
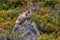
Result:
pixel 26 14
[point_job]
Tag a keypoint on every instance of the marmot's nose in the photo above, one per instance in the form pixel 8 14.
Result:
pixel 33 8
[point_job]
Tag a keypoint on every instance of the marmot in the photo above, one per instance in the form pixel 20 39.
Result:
pixel 25 15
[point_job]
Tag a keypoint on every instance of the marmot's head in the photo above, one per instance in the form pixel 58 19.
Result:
pixel 31 9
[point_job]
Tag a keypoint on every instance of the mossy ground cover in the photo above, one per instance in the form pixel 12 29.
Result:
pixel 47 16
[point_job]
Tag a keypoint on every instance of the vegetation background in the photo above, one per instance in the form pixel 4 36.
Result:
pixel 47 16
